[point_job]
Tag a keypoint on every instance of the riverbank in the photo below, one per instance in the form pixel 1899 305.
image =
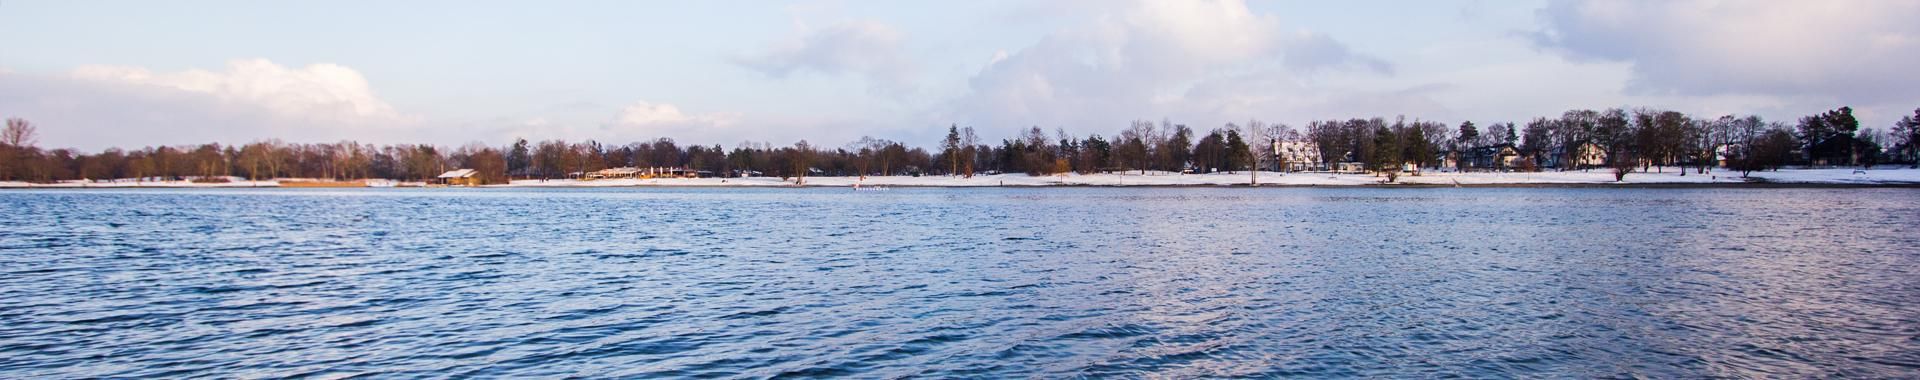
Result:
pixel 231 183
pixel 1668 177
pixel 1671 177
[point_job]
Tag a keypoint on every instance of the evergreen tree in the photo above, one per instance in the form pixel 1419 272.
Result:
pixel 1414 146
pixel 519 158
pixel 950 147
pixel 1179 148
pixel 1239 155
pixel 1210 154
pixel 1469 135
pixel 1385 155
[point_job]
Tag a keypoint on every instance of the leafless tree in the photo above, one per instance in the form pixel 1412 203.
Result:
pixel 19 133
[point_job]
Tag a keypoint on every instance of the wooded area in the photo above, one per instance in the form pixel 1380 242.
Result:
pixel 1642 139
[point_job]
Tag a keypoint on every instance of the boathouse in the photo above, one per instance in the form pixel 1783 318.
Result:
pixel 462 177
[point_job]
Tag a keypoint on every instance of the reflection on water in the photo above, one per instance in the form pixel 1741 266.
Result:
pixel 961 282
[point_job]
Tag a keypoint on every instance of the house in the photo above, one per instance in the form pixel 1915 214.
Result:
pixel 1725 155
pixel 1297 156
pixel 609 173
pixel 461 177
pixel 1586 155
pixel 641 173
pixel 1492 157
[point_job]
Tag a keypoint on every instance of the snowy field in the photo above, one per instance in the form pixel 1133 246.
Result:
pixel 1900 176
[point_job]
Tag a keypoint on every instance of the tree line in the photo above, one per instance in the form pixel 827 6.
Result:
pixel 1638 139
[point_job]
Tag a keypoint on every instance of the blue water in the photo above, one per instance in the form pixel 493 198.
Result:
pixel 402 283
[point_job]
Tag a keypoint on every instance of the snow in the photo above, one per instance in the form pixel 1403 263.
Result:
pixel 1597 177
pixel 131 183
pixel 1594 177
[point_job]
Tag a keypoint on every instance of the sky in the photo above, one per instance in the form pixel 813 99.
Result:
pixel 98 74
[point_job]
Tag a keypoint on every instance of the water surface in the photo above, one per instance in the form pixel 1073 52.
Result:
pixel 960 283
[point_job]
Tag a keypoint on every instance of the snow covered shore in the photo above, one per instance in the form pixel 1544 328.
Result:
pixel 1597 177
pixel 1594 177
pixel 130 184
pixel 232 182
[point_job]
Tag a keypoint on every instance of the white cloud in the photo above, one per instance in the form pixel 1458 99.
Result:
pixel 1850 50
pixel 322 90
pixel 643 120
pixel 872 51
pixel 1189 60
pixel 1310 51
pixel 644 113
pixel 97 106
pixel 638 121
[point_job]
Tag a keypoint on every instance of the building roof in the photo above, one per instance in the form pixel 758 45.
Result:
pixel 462 173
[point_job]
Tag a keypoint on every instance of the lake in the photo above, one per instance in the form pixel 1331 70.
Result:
pixel 942 283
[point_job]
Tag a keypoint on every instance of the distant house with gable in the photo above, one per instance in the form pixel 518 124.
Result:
pixel 1587 155
pixel 1492 157
pixel 645 173
pixel 1297 156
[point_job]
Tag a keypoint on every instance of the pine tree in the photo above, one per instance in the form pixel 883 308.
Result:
pixel 951 148
pixel 1469 135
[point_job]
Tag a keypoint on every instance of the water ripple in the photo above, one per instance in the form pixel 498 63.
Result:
pixel 942 283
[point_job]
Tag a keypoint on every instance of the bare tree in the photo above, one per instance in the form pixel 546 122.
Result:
pixel 1276 133
pixel 1254 130
pixel 802 161
pixel 1133 146
pixel 1572 134
pixel 19 133
pixel 1906 138
pixel 866 148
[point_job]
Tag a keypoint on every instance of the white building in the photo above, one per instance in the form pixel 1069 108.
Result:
pixel 1297 156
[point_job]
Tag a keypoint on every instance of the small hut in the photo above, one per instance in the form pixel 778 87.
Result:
pixel 462 177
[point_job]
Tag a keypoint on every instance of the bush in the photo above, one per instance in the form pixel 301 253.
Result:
pixel 1621 168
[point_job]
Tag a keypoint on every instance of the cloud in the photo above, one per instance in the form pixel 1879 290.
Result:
pixel 1310 51
pixel 643 120
pixel 319 90
pixel 869 50
pixel 1157 58
pixel 644 113
pixel 657 114
pixel 1854 51
pixel 97 106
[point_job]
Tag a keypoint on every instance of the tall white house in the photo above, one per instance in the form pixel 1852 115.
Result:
pixel 1297 156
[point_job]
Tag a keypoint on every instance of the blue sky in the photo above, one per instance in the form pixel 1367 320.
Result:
pixel 95 74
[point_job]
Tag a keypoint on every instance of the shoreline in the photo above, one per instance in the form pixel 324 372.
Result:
pixel 1733 185
pixel 1793 178
pixel 1649 185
